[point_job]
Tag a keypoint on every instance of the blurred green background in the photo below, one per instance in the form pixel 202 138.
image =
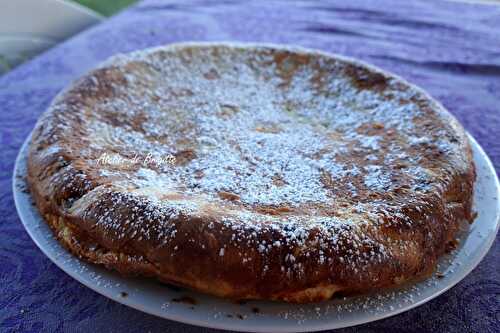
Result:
pixel 105 7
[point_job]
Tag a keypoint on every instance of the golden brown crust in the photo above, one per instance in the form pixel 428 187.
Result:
pixel 370 200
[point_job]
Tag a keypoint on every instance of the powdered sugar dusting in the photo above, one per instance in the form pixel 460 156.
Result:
pixel 267 143
pixel 251 137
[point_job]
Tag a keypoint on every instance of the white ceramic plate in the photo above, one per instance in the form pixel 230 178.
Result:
pixel 257 316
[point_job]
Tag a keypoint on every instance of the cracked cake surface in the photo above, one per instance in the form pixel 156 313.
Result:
pixel 252 171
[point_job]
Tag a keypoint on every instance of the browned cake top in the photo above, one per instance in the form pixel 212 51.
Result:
pixel 281 139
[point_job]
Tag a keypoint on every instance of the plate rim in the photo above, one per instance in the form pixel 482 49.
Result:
pixel 245 326
pixel 241 327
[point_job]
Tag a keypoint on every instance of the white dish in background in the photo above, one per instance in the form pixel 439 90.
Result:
pixel 28 27
pixel 152 297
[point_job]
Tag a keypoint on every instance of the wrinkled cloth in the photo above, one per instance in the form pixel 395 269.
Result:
pixel 450 49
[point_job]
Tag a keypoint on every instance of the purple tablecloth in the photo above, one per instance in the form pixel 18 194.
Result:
pixel 450 49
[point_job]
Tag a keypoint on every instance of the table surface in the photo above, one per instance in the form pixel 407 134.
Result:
pixel 450 49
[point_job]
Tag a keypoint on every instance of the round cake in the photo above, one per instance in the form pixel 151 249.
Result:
pixel 252 171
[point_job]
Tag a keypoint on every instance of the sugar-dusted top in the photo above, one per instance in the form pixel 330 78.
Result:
pixel 284 134
pixel 255 161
